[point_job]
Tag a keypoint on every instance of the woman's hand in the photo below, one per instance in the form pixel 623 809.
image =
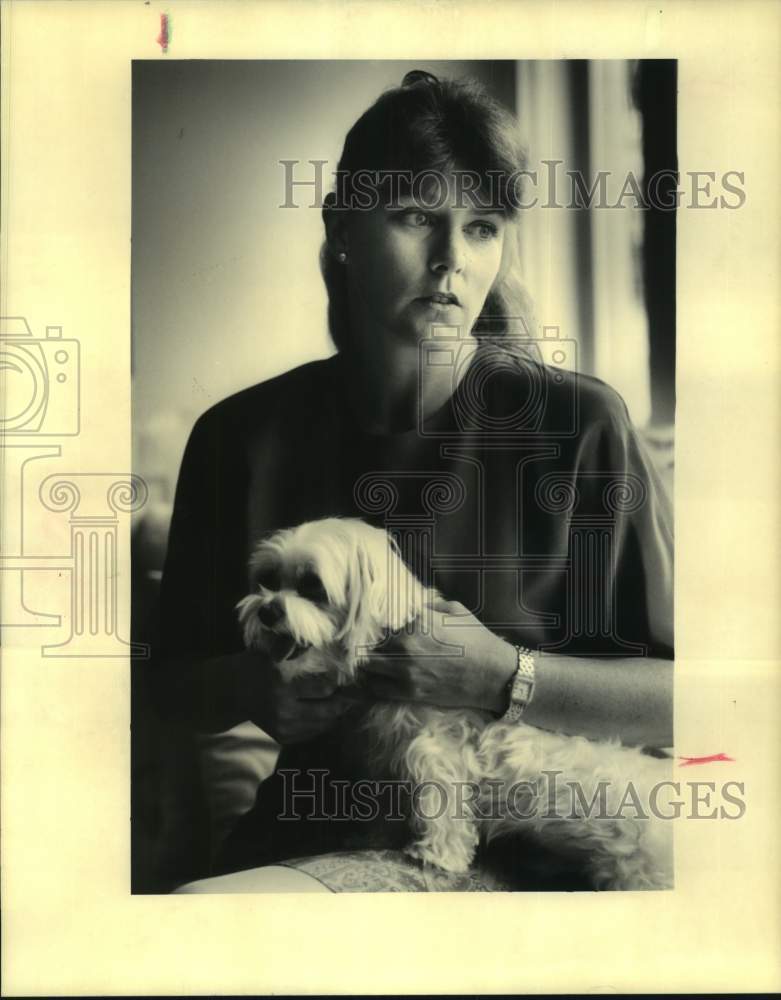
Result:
pixel 304 708
pixel 449 659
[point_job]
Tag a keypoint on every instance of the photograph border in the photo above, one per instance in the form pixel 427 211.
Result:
pixel 65 745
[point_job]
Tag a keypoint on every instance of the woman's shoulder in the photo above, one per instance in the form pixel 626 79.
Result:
pixel 592 407
pixel 596 400
pixel 291 388
pixel 549 399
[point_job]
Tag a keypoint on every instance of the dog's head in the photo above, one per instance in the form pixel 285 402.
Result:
pixel 335 585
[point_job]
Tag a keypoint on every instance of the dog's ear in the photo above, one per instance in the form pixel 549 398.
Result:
pixel 382 594
pixel 365 597
pixel 405 593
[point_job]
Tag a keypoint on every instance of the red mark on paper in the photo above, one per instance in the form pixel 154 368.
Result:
pixel 690 761
pixel 165 33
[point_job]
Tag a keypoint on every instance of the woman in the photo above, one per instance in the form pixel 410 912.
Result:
pixel 556 537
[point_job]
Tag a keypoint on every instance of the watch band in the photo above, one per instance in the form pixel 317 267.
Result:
pixel 521 686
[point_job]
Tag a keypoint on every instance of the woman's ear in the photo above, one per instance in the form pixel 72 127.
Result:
pixel 335 222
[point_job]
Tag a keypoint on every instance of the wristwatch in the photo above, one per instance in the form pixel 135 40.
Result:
pixel 521 685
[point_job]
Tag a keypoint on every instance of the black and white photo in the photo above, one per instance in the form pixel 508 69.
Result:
pixel 389 517
pixel 431 547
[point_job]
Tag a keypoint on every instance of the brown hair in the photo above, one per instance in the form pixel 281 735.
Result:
pixel 444 126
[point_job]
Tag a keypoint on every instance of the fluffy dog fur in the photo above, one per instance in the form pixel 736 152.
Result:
pixel 327 593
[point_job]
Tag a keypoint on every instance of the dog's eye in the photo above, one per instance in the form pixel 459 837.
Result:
pixel 268 578
pixel 310 586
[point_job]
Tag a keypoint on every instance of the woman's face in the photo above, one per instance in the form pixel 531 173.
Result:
pixel 410 266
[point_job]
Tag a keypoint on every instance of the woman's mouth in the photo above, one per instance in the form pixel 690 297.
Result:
pixel 442 299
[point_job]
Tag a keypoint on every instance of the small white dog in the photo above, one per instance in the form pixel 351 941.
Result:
pixel 327 593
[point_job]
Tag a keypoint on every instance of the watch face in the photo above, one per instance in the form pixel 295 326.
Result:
pixel 521 686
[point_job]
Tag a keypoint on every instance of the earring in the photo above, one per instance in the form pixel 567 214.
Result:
pixel 341 256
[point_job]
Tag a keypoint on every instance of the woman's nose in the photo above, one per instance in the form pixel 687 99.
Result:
pixel 448 254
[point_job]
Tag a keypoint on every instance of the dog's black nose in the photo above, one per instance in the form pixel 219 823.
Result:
pixel 270 614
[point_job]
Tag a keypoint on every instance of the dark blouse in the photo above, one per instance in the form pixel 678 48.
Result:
pixel 528 497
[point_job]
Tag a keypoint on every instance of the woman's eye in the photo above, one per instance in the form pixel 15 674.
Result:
pixel 415 218
pixel 483 230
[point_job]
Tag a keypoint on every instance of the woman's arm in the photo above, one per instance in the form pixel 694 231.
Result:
pixel 626 699
pixel 202 675
pixel 457 662
pixel 216 694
